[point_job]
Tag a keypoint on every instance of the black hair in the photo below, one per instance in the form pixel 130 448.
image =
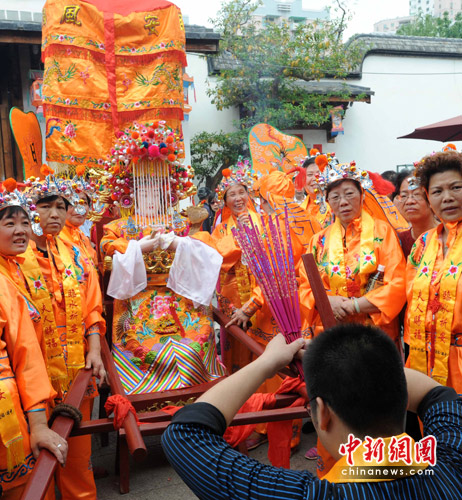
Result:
pixel 358 372
pixel 437 164
pixel 53 197
pixel 309 161
pixel 400 178
pixel 390 175
pixel 203 193
pixel 12 210
pixel 337 183
pixel 212 197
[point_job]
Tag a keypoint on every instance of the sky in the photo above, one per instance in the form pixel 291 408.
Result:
pixel 365 12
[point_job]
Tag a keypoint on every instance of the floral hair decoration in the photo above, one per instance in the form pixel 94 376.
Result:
pixel 241 173
pixel 142 152
pixel 12 197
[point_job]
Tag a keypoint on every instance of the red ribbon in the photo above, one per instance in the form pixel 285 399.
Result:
pixel 120 406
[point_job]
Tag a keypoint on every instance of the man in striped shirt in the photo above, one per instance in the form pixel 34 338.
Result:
pixel 359 393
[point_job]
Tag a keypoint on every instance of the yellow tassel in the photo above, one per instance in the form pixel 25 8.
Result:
pixel 15 453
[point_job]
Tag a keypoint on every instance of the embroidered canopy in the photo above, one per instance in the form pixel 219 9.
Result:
pixel 108 63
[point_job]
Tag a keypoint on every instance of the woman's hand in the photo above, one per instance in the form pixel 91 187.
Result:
pixel 238 318
pixel 244 218
pixel 41 436
pixel 341 306
pixel 93 359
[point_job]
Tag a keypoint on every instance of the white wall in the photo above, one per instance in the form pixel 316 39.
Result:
pixel 400 104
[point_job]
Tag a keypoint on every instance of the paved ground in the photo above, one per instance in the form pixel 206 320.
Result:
pixel 154 479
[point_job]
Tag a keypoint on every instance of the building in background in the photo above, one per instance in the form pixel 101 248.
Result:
pixel 424 6
pixel 452 7
pixel 391 25
pixel 277 11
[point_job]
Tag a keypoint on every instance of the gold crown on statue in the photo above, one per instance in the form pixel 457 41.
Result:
pixel 142 150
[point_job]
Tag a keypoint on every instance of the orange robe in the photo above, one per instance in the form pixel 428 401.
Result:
pixel 314 211
pixel 257 301
pixel 157 328
pixel 455 350
pixel 24 373
pixel 76 479
pixel 75 236
pixel 389 298
pixel 388 252
pixel 234 288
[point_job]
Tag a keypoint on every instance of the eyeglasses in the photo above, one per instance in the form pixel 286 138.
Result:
pixel 415 196
pixel 335 199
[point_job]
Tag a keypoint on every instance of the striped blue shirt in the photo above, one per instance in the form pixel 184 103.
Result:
pixel 213 470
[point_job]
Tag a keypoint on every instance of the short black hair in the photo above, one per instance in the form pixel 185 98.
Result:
pixel 390 175
pixel 49 199
pixel 203 193
pixel 337 183
pixel 400 178
pixel 212 197
pixel 309 161
pixel 358 372
pixel 437 164
pixel 12 210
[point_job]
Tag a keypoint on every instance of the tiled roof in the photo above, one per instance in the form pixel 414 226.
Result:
pixel 195 35
pixel 333 87
pixel 417 46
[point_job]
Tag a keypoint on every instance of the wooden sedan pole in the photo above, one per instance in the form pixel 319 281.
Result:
pixel 46 463
pixel 320 296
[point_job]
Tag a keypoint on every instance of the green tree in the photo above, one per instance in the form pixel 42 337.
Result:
pixel 211 152
pixel 267 66
pixel 426 25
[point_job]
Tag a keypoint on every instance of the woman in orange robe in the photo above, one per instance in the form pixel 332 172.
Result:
pixel 236 282
pixel 24 385
pixel 276 191
pixel 433 323
pixel 73 234
pixel 347 254
pixel 316 208
pixel 66 292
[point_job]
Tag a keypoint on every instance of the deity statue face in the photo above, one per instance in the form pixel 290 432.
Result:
pixel 150 201
pixel 73 217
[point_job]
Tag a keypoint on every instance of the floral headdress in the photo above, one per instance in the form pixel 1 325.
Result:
pixel 37 189
pixel 376 189
pixel 12 197
pixel 241 173
pixel 144 155
pixel 81 185
pixel 332 170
